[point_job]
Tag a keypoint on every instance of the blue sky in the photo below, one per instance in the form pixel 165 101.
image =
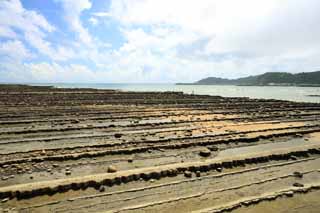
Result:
pixel 134 41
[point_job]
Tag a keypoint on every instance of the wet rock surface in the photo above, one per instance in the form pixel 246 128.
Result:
pixel 87 150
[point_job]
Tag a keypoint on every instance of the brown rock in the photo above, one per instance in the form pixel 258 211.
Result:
pixel 298 184
pixel 118 135
pixel 112 169
pixel 298 174
pixel 188 174
pixel 75 121
pixel 213 148
pixel 205 152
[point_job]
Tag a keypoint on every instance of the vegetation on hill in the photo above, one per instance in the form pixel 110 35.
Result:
pixel 268 79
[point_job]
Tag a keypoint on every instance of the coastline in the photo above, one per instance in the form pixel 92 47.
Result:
pixel 297 94
pixel 110 150
pixel 255 85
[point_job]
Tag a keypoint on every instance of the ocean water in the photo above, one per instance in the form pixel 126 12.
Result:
pixel 299 94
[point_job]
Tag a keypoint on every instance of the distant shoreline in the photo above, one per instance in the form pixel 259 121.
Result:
pixel 257 85
pixel 297 94
pixel 304 79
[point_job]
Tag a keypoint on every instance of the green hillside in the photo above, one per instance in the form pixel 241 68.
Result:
pixel 268 79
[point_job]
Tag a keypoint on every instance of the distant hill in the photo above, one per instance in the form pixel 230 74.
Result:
pixel 267 79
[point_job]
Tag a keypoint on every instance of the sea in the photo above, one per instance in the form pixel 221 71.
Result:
pixel 297 94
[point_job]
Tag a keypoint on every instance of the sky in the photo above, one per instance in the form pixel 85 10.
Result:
pixel 155 41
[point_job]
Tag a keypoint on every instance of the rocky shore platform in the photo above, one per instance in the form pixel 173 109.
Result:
pixel 88 150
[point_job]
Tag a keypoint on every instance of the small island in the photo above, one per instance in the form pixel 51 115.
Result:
pixel 304 79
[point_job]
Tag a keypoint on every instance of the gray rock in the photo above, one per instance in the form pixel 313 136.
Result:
pixel 4 178
pixel 102 189
pixel 289 193
pixel 219 169
pixel 5 200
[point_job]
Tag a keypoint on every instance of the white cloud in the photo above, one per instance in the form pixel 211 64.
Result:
pixel 188 40
pixel 53 72
pixel 72 12
pixel 233 26
pixel 101 14
pixel 93 21
pixel 14 15
pixel 168 40
pixel 34 28
pixel 96 17
pixel 6 32
pixel 14 49
pixel 206 16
